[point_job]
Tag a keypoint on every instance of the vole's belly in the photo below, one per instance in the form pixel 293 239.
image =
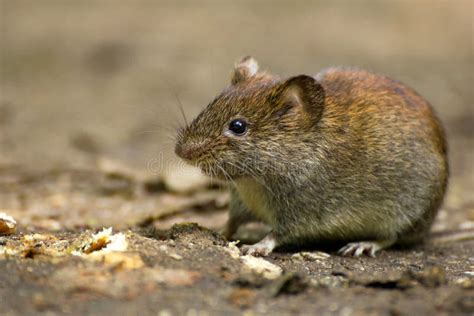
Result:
pixel 255 198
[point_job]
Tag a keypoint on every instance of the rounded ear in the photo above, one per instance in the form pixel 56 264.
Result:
pixel 302 91
pixel 244 69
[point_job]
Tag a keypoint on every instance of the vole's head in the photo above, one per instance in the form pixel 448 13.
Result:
pixel 253 124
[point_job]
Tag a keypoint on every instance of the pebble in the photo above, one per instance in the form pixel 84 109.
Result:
pixel 311 256
pixel 175 256
pixel 261 266
pixel 182 178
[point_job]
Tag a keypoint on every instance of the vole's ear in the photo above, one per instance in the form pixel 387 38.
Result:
pixel 301 91
pixel 244 69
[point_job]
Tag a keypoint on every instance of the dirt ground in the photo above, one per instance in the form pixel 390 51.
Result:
pixel 89 94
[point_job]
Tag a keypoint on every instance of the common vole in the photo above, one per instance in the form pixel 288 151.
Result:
pixel 344 156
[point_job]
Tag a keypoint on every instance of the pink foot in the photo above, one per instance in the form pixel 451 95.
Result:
pixel 370 248
pixel 263 248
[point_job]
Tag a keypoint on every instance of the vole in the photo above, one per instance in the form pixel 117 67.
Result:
pixel 345 156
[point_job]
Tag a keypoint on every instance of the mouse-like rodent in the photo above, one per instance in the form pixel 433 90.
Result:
pixel 345 156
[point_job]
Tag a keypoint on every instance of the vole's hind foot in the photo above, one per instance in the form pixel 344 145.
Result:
pixel 370 248
pixel 263 248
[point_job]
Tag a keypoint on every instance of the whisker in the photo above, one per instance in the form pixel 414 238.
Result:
pixel 181 109
pixel 148 131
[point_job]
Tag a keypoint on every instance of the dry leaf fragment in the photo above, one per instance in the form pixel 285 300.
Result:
pixel 103 242
pixel 7 224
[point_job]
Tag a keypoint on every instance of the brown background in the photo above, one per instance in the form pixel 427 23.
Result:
pixel 82 77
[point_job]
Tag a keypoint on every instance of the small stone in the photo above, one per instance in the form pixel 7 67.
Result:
pixel 175 256
pixel 311 256
pixel 182 178
pixel 261 266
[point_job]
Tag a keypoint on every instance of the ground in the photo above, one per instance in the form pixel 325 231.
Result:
pixel 49 265
pixel 89 95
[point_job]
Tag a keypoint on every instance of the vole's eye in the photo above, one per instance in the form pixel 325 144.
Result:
pixel 238 126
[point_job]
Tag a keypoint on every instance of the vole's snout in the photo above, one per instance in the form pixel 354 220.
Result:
pixel 188 151
pixel 181 151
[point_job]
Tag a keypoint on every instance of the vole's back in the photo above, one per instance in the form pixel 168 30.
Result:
pixel 385 153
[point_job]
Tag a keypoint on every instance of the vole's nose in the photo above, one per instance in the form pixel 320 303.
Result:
pixel 187 151
pixel 181 151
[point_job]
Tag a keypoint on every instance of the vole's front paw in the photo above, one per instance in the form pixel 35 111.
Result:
pixel 263 248
pixel 256 250
pixel 370 248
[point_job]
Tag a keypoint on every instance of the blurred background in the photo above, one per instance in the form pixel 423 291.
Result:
pixel 87 79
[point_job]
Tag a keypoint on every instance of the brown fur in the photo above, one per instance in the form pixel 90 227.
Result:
pixel 345 156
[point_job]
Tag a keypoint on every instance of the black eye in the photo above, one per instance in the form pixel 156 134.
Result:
pixel 238 127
